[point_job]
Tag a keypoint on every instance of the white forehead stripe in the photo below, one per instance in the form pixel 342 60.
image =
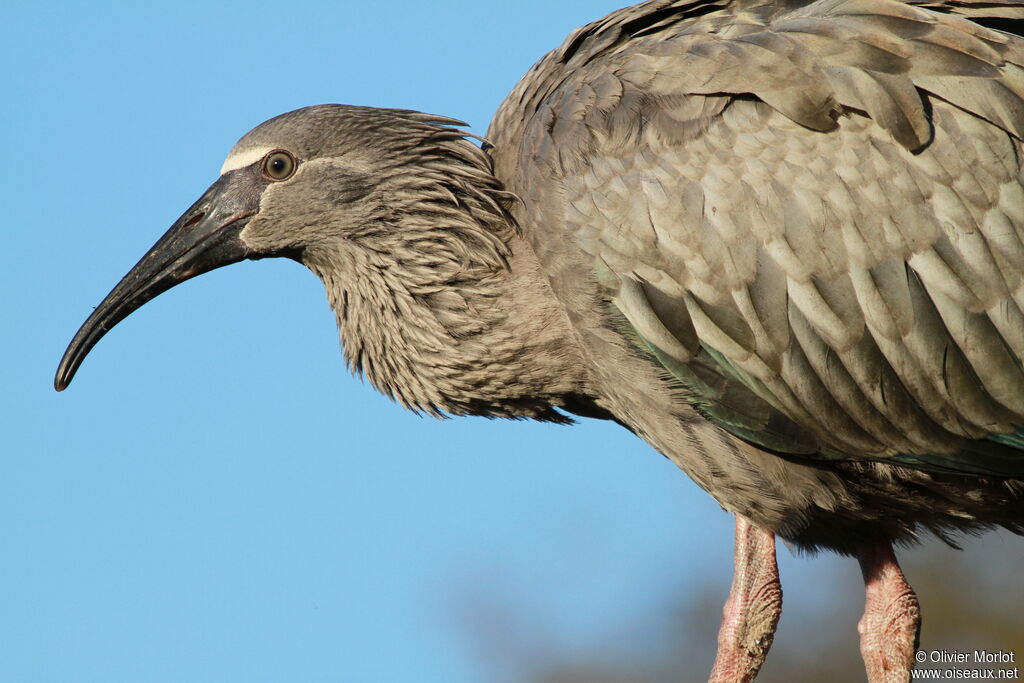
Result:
pixel 243 159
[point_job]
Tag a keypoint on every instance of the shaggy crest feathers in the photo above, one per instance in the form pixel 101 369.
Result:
pixel 421 291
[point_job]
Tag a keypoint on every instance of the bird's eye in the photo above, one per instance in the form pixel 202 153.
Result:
pixel 278 165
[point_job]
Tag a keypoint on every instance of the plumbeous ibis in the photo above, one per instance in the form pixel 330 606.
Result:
pixel 780 240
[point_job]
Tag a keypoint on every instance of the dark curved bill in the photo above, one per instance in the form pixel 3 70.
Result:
pixel 204 238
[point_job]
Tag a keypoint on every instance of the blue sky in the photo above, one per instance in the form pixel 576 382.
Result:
pixel 215 498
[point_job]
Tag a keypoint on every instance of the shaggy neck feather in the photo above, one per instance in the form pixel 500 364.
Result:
pixel 443 307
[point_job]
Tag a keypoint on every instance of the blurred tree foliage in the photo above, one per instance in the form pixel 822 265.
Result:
pixel 970 600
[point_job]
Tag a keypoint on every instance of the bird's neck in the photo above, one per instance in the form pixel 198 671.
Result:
pixel 442 330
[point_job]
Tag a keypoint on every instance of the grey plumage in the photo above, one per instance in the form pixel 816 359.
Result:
pixel 780 240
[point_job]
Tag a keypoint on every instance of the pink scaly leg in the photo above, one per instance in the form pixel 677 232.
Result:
pixel 891 623
pixel 753 608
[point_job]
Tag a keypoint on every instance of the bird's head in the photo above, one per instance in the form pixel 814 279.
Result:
pixel 314 185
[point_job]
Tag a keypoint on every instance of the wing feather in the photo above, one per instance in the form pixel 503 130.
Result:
pixel 811 214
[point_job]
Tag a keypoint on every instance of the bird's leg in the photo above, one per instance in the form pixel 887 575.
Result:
pixel 891 623
pixel 753 608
